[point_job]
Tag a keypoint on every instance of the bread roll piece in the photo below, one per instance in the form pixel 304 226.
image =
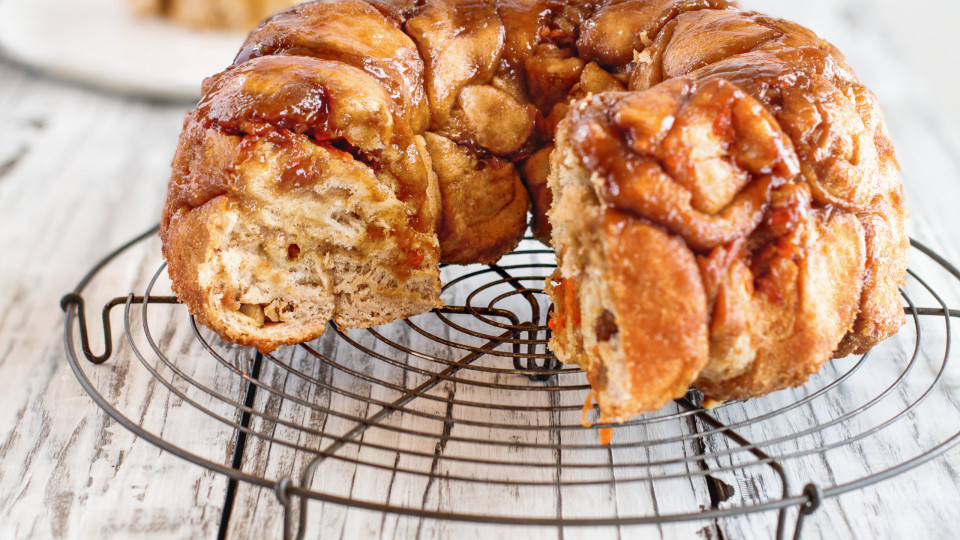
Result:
pixel 270 230
pixel 777 178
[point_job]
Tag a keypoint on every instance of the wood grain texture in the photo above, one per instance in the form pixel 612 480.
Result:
pixel 83 171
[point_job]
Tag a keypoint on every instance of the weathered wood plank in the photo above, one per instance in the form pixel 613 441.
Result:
pixel 83 171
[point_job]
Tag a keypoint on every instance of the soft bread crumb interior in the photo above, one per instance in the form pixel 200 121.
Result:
pixel 293 256
pixel 576 216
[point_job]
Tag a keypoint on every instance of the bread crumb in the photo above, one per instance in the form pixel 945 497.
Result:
pixel 642 57
pixel 645 39
pixel 596 182
pixel 711 404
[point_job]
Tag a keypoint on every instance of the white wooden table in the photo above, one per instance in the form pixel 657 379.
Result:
pixel 83 170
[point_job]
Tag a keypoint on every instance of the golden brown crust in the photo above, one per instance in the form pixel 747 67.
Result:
pixel 753 141
pixel 342 33
pixel 491 188
pixel 535 171
pixel 881 314
pixel 661 312
pixel 184 240
pixel 775 326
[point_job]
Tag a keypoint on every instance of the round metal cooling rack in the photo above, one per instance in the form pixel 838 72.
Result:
pixel 466 406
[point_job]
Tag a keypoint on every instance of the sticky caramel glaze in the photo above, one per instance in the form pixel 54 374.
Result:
pixel 442 64
pixel 832 120
pixel 272 97
pixel 461 42
pixel 839 156
pixel 611 36
pixel 430 54
pixel 657 154
pixel 679 48
pixel 359 36
pixel 523 24
pixel 252 98
pixel 202 168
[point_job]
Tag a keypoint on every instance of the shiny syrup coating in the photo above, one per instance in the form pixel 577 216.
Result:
pixel 256 97
pixel 360 36
pixel 394 42
pixel 741 85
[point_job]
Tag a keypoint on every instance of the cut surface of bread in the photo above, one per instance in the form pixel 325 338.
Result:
pixel 274 266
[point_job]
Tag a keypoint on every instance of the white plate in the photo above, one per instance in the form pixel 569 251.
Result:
pixel 102 43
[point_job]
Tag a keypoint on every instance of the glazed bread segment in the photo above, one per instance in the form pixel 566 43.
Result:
pixel 270 230
pixel 492 188
pixel 270 267
pixel 660 301
pixel 351 32
pixel 630 306
pixel 776 323
pixel 712 186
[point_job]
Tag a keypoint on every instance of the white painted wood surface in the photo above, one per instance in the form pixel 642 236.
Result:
pixel 82 171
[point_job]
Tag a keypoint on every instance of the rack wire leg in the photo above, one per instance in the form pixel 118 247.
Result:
pixel 282 490
pixel 236 462
pixel 814 499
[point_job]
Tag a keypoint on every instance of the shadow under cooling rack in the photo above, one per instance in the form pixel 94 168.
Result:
pixel 466 409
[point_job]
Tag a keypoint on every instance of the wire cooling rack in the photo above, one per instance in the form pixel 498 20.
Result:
pixel 468 398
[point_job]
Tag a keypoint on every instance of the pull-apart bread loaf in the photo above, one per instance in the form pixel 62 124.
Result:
pixel 722 192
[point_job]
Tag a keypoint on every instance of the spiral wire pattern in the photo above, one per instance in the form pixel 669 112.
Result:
pixel 470 396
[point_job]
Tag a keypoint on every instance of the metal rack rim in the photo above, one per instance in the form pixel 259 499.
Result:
pixel 72 314
pixel 500 426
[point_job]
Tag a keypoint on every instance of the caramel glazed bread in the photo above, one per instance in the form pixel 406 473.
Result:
pixel 725 203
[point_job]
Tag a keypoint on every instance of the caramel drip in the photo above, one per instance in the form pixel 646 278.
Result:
pixel 605 433
pixel 258 95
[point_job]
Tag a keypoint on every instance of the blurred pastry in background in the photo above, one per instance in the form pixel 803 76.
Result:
pixel 242 15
